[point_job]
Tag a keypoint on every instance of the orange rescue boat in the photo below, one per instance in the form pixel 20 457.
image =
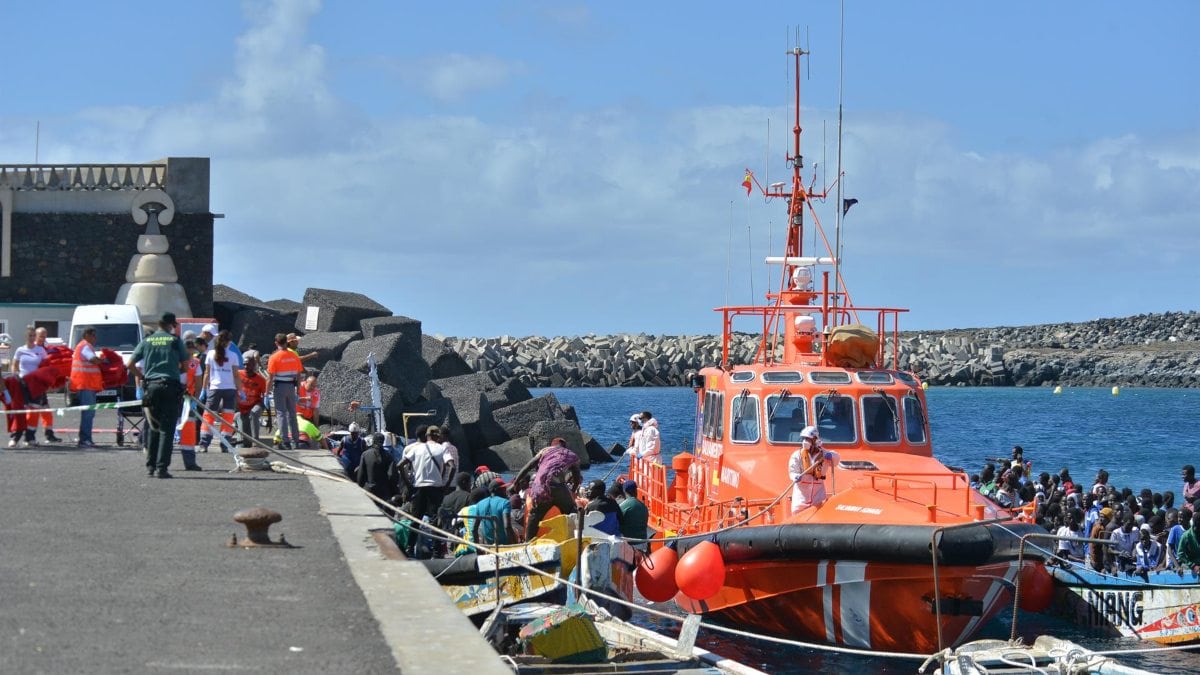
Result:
pixel 902 555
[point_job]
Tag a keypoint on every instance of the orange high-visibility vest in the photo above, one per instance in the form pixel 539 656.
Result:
pixel 808 460
pixel 84 375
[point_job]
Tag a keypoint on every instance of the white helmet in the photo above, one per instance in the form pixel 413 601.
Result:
pixel 354 428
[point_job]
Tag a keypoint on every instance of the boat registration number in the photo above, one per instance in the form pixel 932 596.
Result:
pixel 860 509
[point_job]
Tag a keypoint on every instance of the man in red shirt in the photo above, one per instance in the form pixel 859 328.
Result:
pixel 284 371
pixel 250 405
pixel 310 398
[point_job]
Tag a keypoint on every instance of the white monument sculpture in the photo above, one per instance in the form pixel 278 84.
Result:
pixel 151 280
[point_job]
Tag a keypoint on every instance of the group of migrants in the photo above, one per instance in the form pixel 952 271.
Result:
pixel 425 479
pixel 233 391
pixel 1142 532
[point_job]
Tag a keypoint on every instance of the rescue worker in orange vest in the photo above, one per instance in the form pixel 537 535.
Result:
pixel 86 382
pixel 284 371
pixel 806 468
pixel 310 399
pixel 189 426
pixel 250 405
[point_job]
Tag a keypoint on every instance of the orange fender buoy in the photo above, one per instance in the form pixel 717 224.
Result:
pixel 655 577
pixel 1037 589
pixel 701 571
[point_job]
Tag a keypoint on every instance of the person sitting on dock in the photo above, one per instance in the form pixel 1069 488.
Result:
pixel 1189 547
pixel 556 474
pixel 600 502
pixel 806 467
pixel 484 477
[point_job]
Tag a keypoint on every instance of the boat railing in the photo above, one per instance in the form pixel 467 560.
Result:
pixel 887 327
pixel 683 516
pixel 896 483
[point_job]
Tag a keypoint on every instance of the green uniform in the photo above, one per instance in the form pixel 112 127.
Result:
pixel 1189 549
pixel 634 518
pixel 161 355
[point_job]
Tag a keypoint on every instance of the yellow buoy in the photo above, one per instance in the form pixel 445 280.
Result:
pixel 1058 389
pixel 924 385
pixel 1116 390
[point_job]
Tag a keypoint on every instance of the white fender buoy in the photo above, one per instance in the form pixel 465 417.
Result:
pixel 1058 389
pixel 1116 390
pixel 924 385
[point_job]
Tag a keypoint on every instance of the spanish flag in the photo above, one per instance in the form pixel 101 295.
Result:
pixel 747 182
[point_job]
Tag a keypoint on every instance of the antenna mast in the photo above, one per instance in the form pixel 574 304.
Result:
pixel 837 247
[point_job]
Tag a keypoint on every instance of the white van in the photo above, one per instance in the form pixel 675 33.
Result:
pixel 118 327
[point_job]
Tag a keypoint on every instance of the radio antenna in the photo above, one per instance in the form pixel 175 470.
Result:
pixel 837 247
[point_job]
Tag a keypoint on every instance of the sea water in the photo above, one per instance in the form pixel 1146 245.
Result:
pixel 1142 437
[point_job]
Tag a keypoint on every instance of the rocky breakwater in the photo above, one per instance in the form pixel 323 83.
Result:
pixel 600 360
pixel 1153 350
pixel 492 416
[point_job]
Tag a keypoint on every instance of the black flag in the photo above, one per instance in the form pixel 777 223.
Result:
pixel 847 203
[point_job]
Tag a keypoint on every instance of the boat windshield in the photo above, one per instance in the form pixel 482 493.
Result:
pixel 786 418
pixel 914 419
pixel 880 421
pixel 835 418
pixel 743 419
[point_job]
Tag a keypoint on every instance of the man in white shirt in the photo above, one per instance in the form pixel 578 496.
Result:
pixel 26 359
pixel 425 461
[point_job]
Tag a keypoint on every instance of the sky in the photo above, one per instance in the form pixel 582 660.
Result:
pixel 563 168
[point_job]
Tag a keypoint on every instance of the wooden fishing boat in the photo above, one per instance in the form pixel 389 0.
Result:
pixel 1163 607
pixel 478 582
pixel 1047 654
pixel 902 555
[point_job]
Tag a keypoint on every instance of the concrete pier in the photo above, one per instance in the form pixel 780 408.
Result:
pixel 107 570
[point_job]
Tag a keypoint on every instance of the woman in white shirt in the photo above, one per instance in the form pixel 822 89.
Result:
pixel 222 381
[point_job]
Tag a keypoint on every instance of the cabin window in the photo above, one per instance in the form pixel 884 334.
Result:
pixel 906 378
pixel 875 377
pixel 786 418
pixel 835 418
pixel 782 377
pixel 881 424
pixel 713 419
pixel 743 419
pixel 914 420
pixel 829 377
pixel 743 376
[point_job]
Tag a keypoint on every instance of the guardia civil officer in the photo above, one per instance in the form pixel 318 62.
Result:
pixel 158 360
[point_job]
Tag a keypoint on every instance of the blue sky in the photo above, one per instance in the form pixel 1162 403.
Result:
pixel 566 167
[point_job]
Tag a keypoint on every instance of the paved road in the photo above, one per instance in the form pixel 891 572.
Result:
pixel 105 570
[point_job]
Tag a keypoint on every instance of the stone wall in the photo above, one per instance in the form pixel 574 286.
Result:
pixel 1145 350
pixel 81 258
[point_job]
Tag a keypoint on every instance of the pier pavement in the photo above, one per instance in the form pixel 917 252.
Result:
pixel 106 570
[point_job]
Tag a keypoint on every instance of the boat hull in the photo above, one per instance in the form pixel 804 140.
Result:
pixel 1163 608
pixel 871 605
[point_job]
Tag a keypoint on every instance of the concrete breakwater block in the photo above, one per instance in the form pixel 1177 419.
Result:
pixel 258 326
pixel 595 452
pixel 399 363
pixel 442 360
pixel 518 419
pixel 383 325
pixel 443 415
pixel 327 346
pixel 334 311
pixel 510 455
pixel 340 384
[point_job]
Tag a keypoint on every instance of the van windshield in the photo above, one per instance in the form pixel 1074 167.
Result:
pixel 120 337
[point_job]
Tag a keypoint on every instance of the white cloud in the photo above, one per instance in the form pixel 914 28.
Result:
pixel 453 77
